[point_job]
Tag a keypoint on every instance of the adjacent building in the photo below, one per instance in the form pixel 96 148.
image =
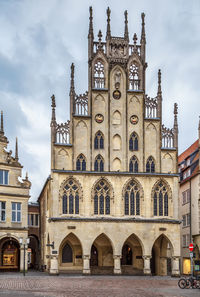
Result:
pixel 14 195
pixel 110 204
pixel 189 199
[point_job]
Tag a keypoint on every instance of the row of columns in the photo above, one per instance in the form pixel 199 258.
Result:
pixel 54 268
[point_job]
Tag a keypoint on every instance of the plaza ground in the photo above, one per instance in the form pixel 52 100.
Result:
pixel 41 284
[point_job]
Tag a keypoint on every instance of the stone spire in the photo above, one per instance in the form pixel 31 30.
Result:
pixel 16 151
pixel 143 39
pixel 53 115
pixel 126 36
pixel 175 125
pixel 108 33
pixel 100 38
pixel 1 128
pixel 159 95
pixel 72 90
pixel 90 34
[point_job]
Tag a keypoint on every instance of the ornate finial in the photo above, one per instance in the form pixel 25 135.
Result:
pixel 2 129
pixel 16 151
pixel 159 93
pixel 126 25
pixel 175 108
pixel 108 33
pixel 53 116
pixel 26 175
pixel 143 37
pixel 135 42
pixel 72 79
pixel 53 101
pixel 100 37
pixel 91 34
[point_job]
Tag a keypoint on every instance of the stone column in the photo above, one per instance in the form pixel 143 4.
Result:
pixel 22 251
pixel 54 264
pixel 147 268
pixel 117 264
pixel 86 264
pixel 175 266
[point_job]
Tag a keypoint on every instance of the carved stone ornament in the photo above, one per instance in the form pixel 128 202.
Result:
pixel 117 94
pixel 99 118
pixel 134 119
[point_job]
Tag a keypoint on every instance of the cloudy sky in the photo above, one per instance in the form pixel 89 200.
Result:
pixel 39 39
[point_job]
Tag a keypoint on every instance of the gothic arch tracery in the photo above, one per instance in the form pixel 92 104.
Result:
pixel 161 197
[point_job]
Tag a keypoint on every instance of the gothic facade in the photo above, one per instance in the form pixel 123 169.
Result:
pixel 110 204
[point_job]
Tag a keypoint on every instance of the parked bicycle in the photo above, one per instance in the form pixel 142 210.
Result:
pixel 191 282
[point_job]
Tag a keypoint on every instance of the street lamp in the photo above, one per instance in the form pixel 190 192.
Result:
pixel 24 244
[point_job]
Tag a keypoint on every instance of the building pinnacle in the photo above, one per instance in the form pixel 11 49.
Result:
pixel 1 128
pixel 91 34
pixel 126 35
pixel 108 33
pixel 16 151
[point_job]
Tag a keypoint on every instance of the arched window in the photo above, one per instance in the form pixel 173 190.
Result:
pixel 67 254
pixel 99 77
pixel 81 163
pixel 102 198
pixel 134 82
pixel 133 164
pixel 133 142
pixel 99 164
pixel 70 198
pixel 99 140
pixel 150 165
pixel 160 200
pixel 132 199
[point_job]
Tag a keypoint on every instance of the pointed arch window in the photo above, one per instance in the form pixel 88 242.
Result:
pixel 102 198
pixel 133 142
pixel 134 81
pixel 132 199
pixel 150 165
pixel 99 140
pixel 160 200
pixel 81 163
pixel 99 76
pixel 133 164
pixel 70 198
pixel 99 164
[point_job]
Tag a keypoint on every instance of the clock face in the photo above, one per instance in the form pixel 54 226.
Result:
pixel 99 118
pixel 134 119
pixel 117 94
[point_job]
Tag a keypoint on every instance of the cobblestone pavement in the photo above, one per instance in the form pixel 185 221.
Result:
pixel 43 285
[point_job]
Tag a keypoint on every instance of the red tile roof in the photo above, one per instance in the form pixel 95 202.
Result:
pixel 188 151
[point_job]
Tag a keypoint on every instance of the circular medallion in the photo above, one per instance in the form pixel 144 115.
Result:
pixel 117 94
pixel 99 118
pixel 134 119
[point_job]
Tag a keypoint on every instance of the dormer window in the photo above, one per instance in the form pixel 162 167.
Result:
pixel 3 177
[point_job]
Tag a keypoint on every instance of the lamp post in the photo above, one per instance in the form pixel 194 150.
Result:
pixel 24 243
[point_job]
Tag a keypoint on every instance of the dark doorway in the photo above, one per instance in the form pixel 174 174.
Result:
pixel 153 262
pixel 94 256
pixel 127 255
pixel 67 254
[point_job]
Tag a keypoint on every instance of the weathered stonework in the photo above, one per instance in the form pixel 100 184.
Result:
pixel 103 208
